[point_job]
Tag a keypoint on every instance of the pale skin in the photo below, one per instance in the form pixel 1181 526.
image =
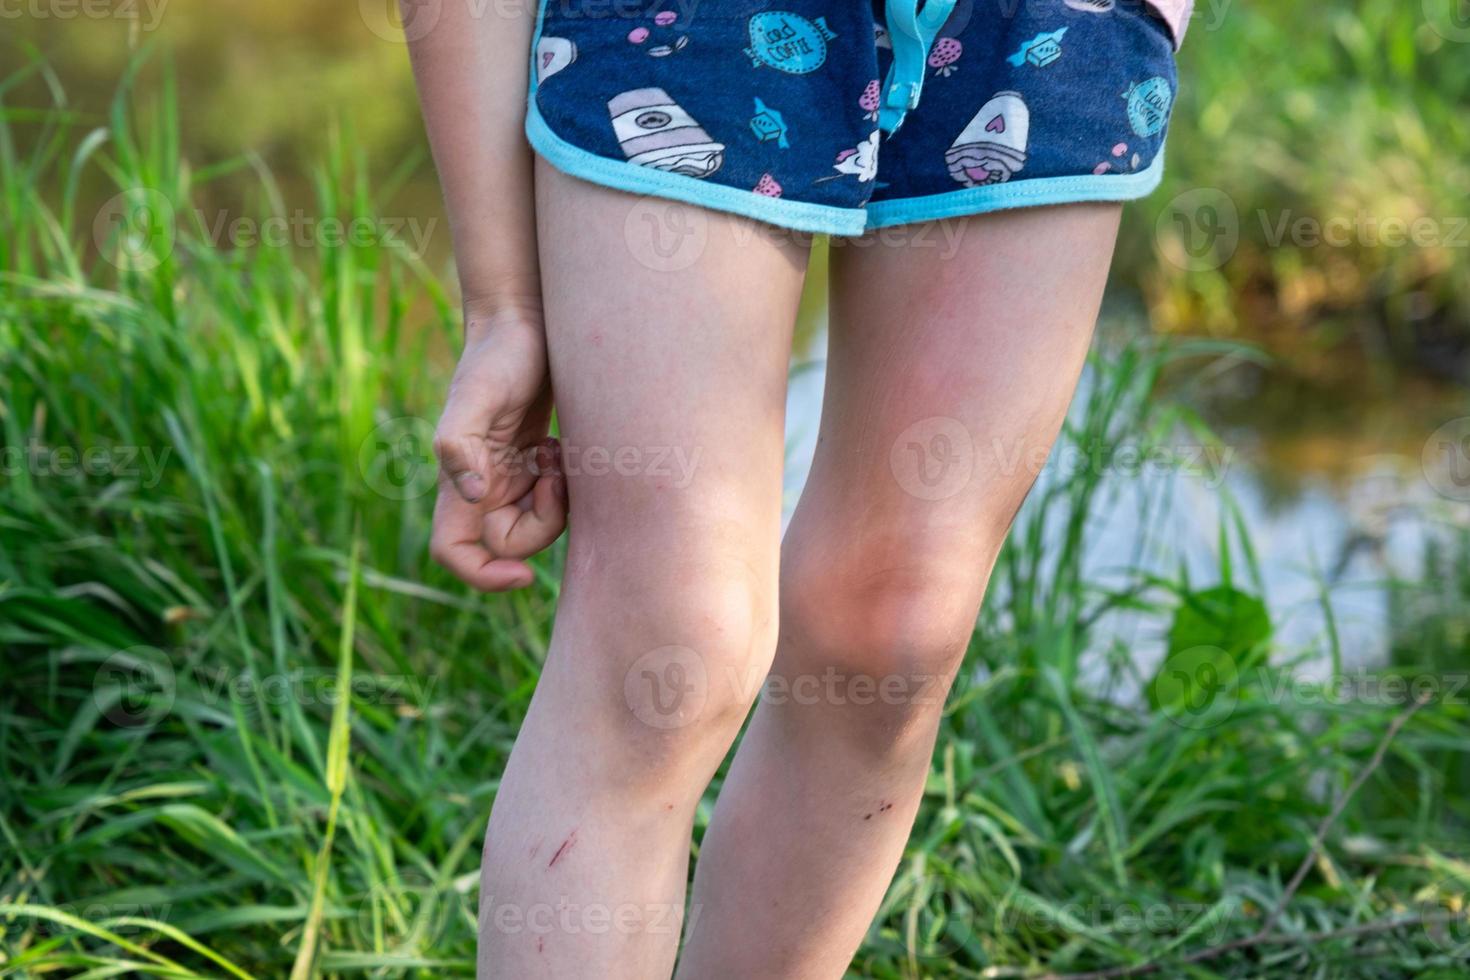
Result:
pixel 948 378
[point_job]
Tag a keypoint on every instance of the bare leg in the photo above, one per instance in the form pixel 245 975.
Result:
pixel 668 359
pixel 947 381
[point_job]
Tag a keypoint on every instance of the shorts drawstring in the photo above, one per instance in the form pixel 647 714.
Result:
pixel 912 33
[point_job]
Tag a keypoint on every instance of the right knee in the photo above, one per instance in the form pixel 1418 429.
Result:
pixel 670 664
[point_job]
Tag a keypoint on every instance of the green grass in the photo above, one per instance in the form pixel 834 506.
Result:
pixel 248 729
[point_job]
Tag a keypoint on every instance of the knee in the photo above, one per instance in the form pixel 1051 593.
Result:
pixel 881 642
pixel 673 661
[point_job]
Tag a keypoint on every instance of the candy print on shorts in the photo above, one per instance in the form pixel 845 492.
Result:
pixel 788 42
pixel 654 131
pixel 767 124
pixel 767 186
pixel 992 148
pixel 1040 51
pixel 1121 162
pixel 667 40
pixel 552 55
pixel 1092 6
pixel 1148 106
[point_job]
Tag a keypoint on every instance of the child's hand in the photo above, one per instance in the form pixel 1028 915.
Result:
pixel 502 493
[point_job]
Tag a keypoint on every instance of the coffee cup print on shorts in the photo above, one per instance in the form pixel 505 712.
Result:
pixel 992 148
pixel 654 131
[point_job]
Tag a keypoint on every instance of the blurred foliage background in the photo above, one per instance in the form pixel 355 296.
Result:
pixel 1313 130
pixel 185 791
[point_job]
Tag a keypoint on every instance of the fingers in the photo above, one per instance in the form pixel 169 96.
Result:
pixel 460 438
pixel 458 546
pixel 463 441
pixel 485 549
pixel 459 443
pixel 519 530
pixel 499 385
pixel 477 469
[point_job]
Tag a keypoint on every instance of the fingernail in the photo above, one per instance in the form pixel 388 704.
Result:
pixel 471 486
pixel 543 460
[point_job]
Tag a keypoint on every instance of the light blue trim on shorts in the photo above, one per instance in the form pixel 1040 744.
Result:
pixel 1016 194
pixel 624 176
pixel 825 219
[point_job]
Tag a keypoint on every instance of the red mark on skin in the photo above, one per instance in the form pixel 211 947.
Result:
pixel 566 845
pixel 596 340
pixel 668 806
pixel 540 944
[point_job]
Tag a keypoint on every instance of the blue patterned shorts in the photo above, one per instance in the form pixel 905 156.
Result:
pixel 837 117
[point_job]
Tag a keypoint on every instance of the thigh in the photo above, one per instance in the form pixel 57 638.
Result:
pixel 955 348
pixel 669 334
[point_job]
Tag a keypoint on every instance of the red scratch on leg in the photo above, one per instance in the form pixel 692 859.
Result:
pixel 540 944
pixel 566 845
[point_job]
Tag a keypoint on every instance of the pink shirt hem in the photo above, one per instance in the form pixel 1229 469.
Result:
pixel 1176 14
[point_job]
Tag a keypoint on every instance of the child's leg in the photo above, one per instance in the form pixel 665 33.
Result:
pixel 670 389
pixel 946 376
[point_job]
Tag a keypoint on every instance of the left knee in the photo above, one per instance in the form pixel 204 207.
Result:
pixel 876 640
